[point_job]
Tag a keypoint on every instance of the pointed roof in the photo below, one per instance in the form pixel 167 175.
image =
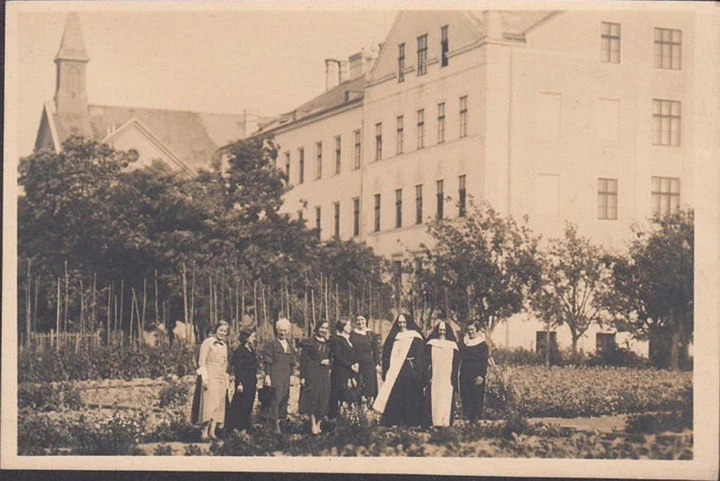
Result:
pixel 72 46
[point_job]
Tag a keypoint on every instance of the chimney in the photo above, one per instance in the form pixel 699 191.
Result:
pixel 361 63
pixel 332 73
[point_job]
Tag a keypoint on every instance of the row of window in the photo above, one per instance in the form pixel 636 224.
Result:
pixel 667 46
pixel 603 341
pixel 664 196
pixel 422 53
pixel 439 209
pixel 337 158
pixel 420 128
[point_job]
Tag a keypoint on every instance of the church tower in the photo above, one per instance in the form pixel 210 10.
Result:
pixel 71 101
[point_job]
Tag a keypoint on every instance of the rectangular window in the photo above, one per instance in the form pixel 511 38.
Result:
pixel 441 123
pixel 440 199
pixel 377 213
pixel 338 155
pixel 610 42
pixel 400 134
pixel 356 216
pixel 287 165
pixel 318 160
pixel 301 165
pixel 336 217
pixel 607 199
pixel 444 46
pixel 356 149
pixel 462 196
pixel 668 48
pixel 422 46
pixel 421 128
pixel 463 116
pixel 666 122
pixel 604 341
pixel 401 62
pixel 665 195
pixel 318 219
pixel 418 204
pixel 378 141
pixel 541 341
pixel 398 207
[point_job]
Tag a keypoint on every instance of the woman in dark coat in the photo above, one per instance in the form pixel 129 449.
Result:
pixel 244 367
pixel 315 377
pixel 473 368
pixel 400 398
pixel 365 343
pixel 443 363
pixel 279 362
pixel 343 378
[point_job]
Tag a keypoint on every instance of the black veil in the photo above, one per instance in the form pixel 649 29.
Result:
pixel 390 339
pixel 449 332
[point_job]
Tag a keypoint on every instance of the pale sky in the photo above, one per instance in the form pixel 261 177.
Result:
pixel 203 60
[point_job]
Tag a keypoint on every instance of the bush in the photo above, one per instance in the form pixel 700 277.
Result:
pixel 36 433
pixel 118 435
pixel 619 357
pixel 173 395
pixel 163 450
pixel 175 428
pixel 193 450
pixel 105 362
pixel 48 397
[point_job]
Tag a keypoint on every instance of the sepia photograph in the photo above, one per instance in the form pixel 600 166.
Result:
pixel 327 238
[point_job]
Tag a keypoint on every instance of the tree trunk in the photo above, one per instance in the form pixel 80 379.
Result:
pixel 675 350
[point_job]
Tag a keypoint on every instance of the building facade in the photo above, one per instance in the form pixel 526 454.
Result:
pixel 580 116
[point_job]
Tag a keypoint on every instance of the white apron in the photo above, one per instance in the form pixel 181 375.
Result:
pixel 441 389
pixel 400 348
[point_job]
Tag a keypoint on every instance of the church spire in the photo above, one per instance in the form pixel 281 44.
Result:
pixel 72 46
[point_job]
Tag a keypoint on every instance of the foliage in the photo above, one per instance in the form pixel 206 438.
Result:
pixel 163 450
pixel 481 267
pixel 104 362
pixel 118 435
pixel 36 433
pixel 193 450
pixel 174 394
pixel 575 275
pixel 48 397
pixel 653 286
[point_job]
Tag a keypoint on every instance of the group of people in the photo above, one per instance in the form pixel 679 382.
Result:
pixel 420 377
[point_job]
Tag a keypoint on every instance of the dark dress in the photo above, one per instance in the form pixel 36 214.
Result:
pixel 244 366
pixel 368 354
pixel 279 366
pixel 405 405
pixel 473 363
pixel 343 356
pixel 315 396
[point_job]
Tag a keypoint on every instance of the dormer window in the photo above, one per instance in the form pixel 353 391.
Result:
pixel 422 47
pixel 444 46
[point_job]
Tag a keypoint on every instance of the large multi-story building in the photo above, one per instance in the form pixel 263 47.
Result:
pixel 581 116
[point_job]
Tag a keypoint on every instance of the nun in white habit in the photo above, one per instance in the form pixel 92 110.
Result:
pixel 443 362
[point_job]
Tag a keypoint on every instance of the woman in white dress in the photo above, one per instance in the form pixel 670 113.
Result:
pixel 443 362
pixel 213 362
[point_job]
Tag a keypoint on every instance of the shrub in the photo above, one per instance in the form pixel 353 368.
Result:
pixel 193 450
pixel 48 397
pixel 173 395
pixel 619 357
pixel 175 427
pixel 118 435
pixel 36 433
pixel 163 450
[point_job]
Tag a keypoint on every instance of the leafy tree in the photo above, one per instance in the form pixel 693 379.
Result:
pixel 575 276
pixel 653 287
pixel 483 265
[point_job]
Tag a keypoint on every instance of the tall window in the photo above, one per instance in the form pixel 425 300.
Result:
pixel 440 199
pixel 378 141
pixel 318 160
pixel 665 195
pixel 400 134
pixel 607 199
pixel 444 46
pixel 666 122
pixel 421 128
pixel 336 217
pixel 318 217
pixel 398 207
pixel 441 123
pixel 356 149
pixel 610 42
pixel 422 47
pixel 301 165
pixel 604 341
pixel 401 62
pixel 463 116
pixel 462 196
pixel 356 216
pixel 377 213
pixel 338 155
pixel 418 204
pixel 287 165
pixel 668 48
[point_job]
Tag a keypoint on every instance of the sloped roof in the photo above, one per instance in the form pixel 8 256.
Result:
pixel 348 91
pixel 514 21
pixel 192 136
pixel 72 46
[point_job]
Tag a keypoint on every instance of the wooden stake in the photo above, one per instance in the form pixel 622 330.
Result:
pixel 35 303
pixel 82 308
pixel 57 317
pixel 142 325
pixel 109 307
pixel 157 311
pixel 67 289
pixel 312 305
pixel 122 302
pixel 192 300
pixel 28 312
pixel 184 291
pixel 94 305
pixel 255 309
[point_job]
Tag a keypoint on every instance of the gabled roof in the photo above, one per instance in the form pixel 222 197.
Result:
pixel 344 93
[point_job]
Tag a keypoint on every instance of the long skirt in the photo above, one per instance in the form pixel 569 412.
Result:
pixel 238 414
